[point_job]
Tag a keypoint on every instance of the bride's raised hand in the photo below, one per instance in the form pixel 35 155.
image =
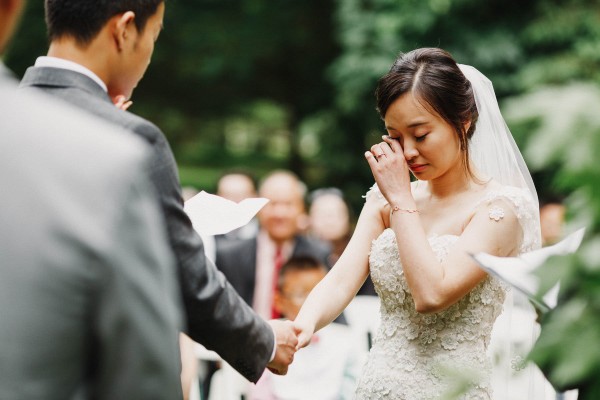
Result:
pixel 390 170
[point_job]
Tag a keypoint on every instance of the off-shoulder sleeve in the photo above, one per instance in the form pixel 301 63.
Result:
pixel 526 211
pixel 373 191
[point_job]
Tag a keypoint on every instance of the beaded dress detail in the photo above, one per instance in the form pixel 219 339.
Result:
pixel 414 355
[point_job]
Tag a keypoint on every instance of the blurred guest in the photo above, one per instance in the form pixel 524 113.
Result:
pixel 552 219
pixel 330 221
pixel 252 265
pixel 329 218
pixel 326 369
pixel 187 192
pixel 89 306
pixel 237 186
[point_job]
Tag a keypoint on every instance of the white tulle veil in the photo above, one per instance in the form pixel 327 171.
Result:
pixel 494 154
pixel 492 148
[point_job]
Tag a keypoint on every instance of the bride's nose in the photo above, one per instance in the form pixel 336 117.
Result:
pixel 410 151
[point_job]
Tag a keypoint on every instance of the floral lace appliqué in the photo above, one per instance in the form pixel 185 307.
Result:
pixel 496 213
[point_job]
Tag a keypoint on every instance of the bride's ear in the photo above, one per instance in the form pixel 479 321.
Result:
pixel 467 125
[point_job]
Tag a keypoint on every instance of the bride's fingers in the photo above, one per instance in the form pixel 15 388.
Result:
pixel 386 150
pixel 393 143
pixel 372 160
pixel 303 341
pixel 376 150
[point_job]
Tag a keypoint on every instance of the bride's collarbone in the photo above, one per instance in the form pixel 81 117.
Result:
pixel 450 218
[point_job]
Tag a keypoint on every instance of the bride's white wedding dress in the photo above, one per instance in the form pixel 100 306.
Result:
pixel 414 356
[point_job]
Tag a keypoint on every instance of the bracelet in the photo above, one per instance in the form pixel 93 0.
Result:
pixel 406 210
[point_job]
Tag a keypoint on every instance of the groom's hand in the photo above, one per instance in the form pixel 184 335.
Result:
pixel 286 340
pixel 121 102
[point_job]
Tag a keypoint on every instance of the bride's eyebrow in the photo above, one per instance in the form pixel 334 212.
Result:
pixel 417 124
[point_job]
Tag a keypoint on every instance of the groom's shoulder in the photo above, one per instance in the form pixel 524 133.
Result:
pixel 75 136
pixel 141 126
pixel 81 92
pixel 129 121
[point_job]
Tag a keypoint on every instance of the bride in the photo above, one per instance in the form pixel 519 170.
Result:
pixel 473 193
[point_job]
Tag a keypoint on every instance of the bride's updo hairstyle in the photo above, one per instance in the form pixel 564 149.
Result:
pixel 436 81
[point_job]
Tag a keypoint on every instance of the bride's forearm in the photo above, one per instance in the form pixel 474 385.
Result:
pixel 423 271
pixel 331 296
pixel 325 302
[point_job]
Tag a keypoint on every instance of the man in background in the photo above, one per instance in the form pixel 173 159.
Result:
pixel 237 186
pixel 252 265
pixel 89 307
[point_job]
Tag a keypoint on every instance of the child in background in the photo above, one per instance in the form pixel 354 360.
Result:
pixel 326 369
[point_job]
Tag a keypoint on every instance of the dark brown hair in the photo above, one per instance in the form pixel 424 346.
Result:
pixel 299 263
pixel 432 75
pixel 83 19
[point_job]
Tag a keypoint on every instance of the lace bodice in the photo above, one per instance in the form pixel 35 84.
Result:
pixel 414 356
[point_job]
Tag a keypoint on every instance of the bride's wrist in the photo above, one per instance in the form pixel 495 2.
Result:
pixel 403 210
pixel 403 205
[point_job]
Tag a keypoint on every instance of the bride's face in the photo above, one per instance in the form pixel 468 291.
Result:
pixel 431 145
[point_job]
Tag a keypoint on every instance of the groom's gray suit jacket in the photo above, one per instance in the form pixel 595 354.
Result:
pixel 216 315
pixel 89 302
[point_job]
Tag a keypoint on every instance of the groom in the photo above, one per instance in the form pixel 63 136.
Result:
pixel 99 51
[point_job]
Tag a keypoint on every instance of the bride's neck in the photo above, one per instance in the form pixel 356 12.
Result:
pixel 453 182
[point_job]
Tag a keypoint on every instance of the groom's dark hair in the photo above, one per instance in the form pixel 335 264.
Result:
pixel 83 19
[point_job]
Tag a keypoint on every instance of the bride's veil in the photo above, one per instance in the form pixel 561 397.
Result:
pixel 494 154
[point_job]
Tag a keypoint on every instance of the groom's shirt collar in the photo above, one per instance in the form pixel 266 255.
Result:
pixel 55 62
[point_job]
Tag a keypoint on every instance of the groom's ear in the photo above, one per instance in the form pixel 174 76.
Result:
pixel 122 29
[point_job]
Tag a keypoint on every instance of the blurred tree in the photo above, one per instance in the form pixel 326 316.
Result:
pixel 251 67
pixel 254 67
pixel 280 83
pixel 518 45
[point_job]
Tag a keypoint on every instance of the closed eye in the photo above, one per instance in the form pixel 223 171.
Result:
pixel 421 138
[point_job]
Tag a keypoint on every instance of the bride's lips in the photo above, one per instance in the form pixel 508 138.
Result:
pixel 417 167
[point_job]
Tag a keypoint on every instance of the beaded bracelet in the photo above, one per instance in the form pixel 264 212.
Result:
pixel 406 210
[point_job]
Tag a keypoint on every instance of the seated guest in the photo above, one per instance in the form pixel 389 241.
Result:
pixel 237 186
pixel 330 221
pixel 252 265
pixel 326 369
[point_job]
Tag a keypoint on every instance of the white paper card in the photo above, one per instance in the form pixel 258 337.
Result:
pixel 518 271
pixel 215 215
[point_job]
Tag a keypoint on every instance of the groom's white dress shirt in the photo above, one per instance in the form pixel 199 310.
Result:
pixel 55 62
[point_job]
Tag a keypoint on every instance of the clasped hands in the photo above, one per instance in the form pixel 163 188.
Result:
pixel 289 338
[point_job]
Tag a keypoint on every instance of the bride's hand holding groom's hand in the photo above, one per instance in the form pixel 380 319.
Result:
pixel 286 338
pixel 305 334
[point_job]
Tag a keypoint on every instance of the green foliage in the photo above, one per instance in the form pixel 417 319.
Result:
pixel 292 81
pixel 566 134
